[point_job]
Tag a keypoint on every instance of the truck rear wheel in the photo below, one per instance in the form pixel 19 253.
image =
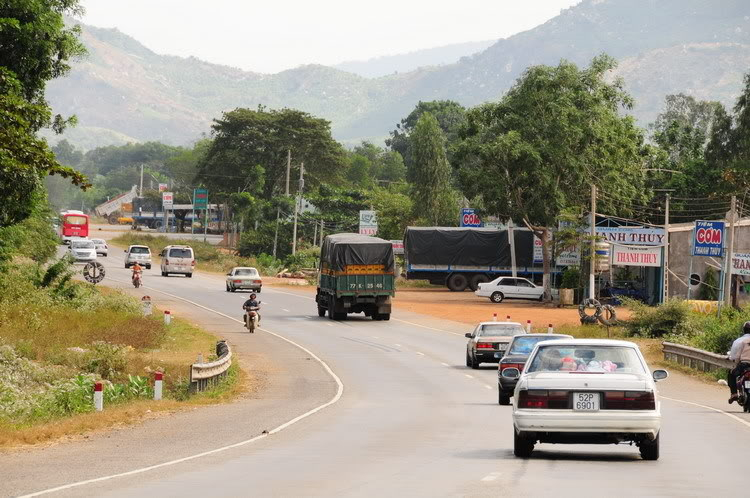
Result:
pixel 457 282
pixel 321 311
pixel 476 280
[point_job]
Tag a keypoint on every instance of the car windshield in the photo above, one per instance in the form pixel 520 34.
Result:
pixel 180 253
pixel 83 244
pixel 525 344
pixel 97 241
pixel 248 272
pixel 585 358
pixel 503 329
pixel 139 250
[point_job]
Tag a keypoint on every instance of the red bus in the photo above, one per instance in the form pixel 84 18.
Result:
pixel 73 225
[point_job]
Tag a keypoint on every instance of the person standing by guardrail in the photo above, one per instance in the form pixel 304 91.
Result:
pixel 740 354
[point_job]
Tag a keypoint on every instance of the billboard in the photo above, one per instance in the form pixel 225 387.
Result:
pixel 167 200
pixel 632 236
pixel 708 238
pixel 636 256
pixel 469 218
pixel 368 223
pixel 200 198
pixel 740 263
pixel 398 246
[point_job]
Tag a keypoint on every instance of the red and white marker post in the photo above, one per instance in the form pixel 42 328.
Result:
pixel 167 317
pixel 158 385
pixel 528 326
pixel 494 317
pixel 98 396
pixel 507 318
pixel 550 330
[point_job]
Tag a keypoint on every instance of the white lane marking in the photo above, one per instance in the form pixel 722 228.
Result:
pixel 337 396
pixel 375 337
pixel 397 345
pixel 469 376
pixel 284 309
pixel 444 364
pixel 329 324
pixel 488 387
pixel 732 416
pixel 491 477
pixel 420 354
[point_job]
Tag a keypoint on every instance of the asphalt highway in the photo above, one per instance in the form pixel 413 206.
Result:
pixel 401 416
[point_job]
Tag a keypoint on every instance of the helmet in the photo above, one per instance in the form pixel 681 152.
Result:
pixel 746 328
pixel 253 296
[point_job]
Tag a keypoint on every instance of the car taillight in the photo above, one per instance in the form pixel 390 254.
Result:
pixel 166 261
pixel 629 400
pixel 484 345
pixel 543 399
pixel 257 281
pixel 237 281
pixel 519 366
pixel 193 263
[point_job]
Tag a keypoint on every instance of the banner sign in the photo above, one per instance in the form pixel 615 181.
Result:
pixel 538 257
pixel 568 257
pixel 368 223
pixel 163 187
pixel 167 200
pixel 398 246
pixel 632 236
pixel 200 198
pixel 636 256
pixel 469 218
pixel 708 239
pixel 740 263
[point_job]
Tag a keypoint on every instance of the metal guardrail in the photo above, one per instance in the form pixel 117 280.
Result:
pixel 204 375
pixel 695 358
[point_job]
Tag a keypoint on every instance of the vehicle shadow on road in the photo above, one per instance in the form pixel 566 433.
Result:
pixel 507 454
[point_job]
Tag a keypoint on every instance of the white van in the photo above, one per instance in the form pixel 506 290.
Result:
pixel 177 259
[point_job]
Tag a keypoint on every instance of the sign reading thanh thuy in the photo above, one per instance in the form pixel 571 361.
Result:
pixel 636 256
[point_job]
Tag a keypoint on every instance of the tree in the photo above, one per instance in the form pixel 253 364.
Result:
pixel 394 209
pixel 536 152
pixel 360 171
pixel 434 197
pixel 250 146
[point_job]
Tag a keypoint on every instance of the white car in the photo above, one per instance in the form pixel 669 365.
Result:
pixel 82 250
pixel 101 247
pixel 244 278
pixel 509 288
pixel 177 259
pixel 582 391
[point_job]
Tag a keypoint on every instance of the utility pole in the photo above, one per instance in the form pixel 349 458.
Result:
pixel 512 241
pixel 728 271
pixel 286 192
pixel 296 206
pixel 592 263
pixel 140 191
pixel 321 234
pixel 665 289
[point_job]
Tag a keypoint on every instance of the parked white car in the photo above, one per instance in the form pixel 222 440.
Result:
pixel 510 288
pixel 82 250
pixel 582 391
pixel 244 278
pixel 102 249
pixel 177 259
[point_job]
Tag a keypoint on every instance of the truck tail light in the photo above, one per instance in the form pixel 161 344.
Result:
pixel 629 400
pixel 484 345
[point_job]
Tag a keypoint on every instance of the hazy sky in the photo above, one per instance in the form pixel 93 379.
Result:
pixel 273 35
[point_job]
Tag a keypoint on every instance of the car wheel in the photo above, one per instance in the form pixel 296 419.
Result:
pixel 227 287
pixel 497 297
pixel 522 446
pixel 232 289
pixel 474 362
pixel 468 360
pixel 164 274
pixel 650 449
pixel 541 298
pixel 189 275
pixel 502 398
pixel 148 267
pixel 126 266
pixel 257 290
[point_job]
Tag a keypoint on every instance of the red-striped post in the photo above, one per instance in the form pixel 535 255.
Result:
pixel 507 318
pixel 167 317
pixel 98 396
pixel 494 317
pixel 528 326
pixel 158 385
pixel 550 329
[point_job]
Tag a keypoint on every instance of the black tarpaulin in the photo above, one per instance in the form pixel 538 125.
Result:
pixel 466 247
pixel 344 249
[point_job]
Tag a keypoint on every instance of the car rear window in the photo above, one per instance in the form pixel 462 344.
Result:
pixel 180 253
pixel 75 220
pixel 595 359
pixel 82 244
pixel 501 329
pixel 524 345
pixel 139 250
pixel 248 272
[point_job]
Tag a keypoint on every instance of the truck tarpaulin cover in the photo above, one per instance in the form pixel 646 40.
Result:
pixel 345 249
pixel 466 246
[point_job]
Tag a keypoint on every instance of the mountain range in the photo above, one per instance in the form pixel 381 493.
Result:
pixel 122 91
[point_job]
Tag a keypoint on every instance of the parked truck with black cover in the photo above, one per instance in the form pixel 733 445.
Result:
pixel 356 275
pixel 461 257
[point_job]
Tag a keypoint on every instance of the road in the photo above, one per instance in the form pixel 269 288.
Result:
pixel 411 420
pixel 107 231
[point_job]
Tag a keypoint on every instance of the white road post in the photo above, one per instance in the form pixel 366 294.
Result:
pixel 158 385
pixel 167 317
pixel 528 326
pixel 98 396
pixel 550 329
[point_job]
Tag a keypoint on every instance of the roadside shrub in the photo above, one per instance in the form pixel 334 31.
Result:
pixel 306 258
pixel 107 360
pixel 570 278
pixel 709 287
pixel 657 321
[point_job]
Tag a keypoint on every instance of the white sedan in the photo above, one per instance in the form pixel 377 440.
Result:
pixel 510 288
pixel 582 391
pixel 244 278
pixel 102 249
pixel 82 250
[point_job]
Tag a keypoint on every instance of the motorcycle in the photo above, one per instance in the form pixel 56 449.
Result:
pixel 743 390
pixel 137 279
pixel 252 317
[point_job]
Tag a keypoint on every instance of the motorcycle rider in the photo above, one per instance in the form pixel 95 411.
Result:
pixel 251 305
pixel 740 354
pixel 137 271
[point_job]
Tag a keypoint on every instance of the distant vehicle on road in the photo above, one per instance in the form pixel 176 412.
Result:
pixel 138 254
pixel 356 275
pixel 503 288
pixel 242 277
pixel 489 341
pixel 516 355
pixel 177 259
pixel 586 391
pixel 101 247
pixel 82 250
pixel 73 225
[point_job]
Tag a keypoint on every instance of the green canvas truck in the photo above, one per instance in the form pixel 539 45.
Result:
pixel 356 275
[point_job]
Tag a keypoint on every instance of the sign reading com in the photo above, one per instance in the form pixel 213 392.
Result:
pixel 469 218
pixel 709 239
